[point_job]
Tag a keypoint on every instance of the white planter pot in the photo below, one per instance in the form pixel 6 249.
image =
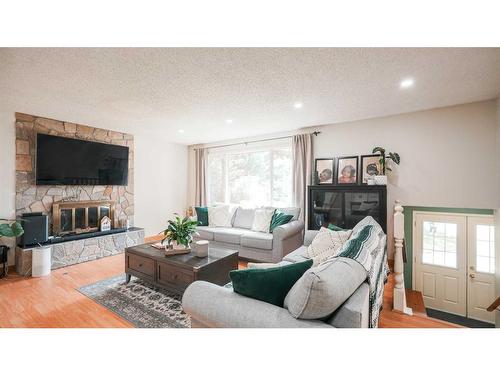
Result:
pixel 380 180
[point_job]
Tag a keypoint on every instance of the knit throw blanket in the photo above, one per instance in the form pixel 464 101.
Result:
pixel 368 249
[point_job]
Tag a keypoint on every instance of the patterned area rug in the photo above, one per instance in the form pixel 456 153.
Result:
pixel 142 304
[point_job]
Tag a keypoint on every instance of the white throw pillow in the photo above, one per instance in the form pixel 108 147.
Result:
pixel 219 216
pixel 262 220
pixel 326 244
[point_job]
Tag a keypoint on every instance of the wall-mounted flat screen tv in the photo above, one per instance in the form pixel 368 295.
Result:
pixel 67 161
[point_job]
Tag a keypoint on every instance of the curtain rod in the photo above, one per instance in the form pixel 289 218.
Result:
pixel 248 142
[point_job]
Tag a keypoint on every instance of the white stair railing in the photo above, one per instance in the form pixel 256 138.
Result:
pixel 399 299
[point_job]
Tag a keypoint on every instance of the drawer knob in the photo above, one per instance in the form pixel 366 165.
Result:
pixel 140 264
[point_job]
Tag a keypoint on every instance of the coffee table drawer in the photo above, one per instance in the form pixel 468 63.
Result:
pixel 143 265
pixel 173 277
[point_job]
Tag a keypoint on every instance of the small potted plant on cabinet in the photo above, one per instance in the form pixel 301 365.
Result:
pixel 393 156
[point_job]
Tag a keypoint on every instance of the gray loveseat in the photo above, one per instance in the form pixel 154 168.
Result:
pixel 210 305
pixel 259 246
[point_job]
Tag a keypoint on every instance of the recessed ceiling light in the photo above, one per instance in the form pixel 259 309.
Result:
pixel 229 121
pixel 297 105
pixel 180 131
pixel 406 83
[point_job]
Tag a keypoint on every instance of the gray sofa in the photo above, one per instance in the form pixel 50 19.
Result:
pixel 210 305
pixel 259 246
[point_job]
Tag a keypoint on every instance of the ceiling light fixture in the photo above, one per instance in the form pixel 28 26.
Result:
pixel 180 131
pixel 297 105
pixel 406 83
pixel 229 121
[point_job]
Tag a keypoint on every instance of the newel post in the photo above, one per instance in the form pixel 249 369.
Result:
pixel 399 301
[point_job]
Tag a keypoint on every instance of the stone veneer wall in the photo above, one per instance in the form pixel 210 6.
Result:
pixel 33 198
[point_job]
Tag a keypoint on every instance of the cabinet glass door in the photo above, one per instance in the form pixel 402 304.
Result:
pixel 360 204
pixel 327 208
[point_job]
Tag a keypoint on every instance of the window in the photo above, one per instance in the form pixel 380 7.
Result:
pixel 485 248
pixel 440 244
pixel 251 176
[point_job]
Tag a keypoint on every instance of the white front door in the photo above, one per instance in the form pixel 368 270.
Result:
pixel 440 248
pixel 481 268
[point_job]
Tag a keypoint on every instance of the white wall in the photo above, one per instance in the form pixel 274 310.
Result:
pixel 160 182
pixel 447 154
pixel 160 172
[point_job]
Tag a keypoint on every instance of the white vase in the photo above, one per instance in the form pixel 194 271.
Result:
pixel 380 180
pixel 178 246
pixel 201 248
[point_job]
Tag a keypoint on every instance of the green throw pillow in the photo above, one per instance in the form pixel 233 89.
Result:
pixel 334 227
pixel 202 214
pixel 279 218
pixel 270 285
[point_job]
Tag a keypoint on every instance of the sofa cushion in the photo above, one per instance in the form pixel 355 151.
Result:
pixel 298 255
pixel 262 220
pixel 294 211
pixel 243 218
pixel 323 289
pixel 220 216
pixel 229 235
pixel 202 216
pixel 255 283
pixel 257 240
pixel 326 244
pixel 206 233
pixel 279 218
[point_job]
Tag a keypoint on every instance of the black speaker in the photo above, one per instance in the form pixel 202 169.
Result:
pixel 36 229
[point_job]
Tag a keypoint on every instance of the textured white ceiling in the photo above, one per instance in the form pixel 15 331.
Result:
pixel 162 90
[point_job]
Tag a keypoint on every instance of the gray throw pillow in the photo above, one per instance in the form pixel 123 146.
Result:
pixel 323 289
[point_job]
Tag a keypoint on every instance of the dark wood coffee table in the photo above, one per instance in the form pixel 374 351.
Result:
pixel 176 272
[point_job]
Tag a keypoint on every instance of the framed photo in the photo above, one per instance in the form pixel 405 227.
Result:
pixel 347 170
pixel 323 171
pixel 370 166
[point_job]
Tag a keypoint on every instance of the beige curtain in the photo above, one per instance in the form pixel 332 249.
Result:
pixel 302 150
pixel 200 190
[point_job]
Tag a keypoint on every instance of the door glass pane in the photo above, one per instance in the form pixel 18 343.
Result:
pixel 440 244
pixel 485 248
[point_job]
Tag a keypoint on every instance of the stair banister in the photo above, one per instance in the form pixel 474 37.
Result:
pixel 399 300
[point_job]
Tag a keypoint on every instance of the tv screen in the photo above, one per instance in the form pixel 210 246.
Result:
pixel 67 161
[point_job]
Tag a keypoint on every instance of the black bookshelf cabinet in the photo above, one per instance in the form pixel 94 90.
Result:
pixel 347 205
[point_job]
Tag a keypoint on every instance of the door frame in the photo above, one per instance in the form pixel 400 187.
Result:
pixel 444 213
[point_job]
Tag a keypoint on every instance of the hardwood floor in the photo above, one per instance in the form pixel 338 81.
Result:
pixel 53 301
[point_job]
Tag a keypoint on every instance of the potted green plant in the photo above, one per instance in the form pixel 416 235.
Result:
pixel 392 156
pixel 8 228
pixel 179 233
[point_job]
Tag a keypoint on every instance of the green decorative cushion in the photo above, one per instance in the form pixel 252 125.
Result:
pixel 334 227
pixel 279 218
pixel 202 214
pixel 270 285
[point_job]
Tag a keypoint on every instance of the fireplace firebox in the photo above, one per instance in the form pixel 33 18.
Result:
pixel 82 216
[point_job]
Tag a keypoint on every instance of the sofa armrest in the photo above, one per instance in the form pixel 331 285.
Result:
pixel 354 313
pixel 288 230
pixel 309 236
pixel 211 305
pixel 287 238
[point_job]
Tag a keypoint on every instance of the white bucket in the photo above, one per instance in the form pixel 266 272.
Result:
pixel 41 261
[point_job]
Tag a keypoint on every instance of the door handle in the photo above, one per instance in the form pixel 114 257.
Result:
pixel 472 275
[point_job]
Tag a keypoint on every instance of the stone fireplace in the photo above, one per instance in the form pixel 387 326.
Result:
pixel 75 208
pixel 41 198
